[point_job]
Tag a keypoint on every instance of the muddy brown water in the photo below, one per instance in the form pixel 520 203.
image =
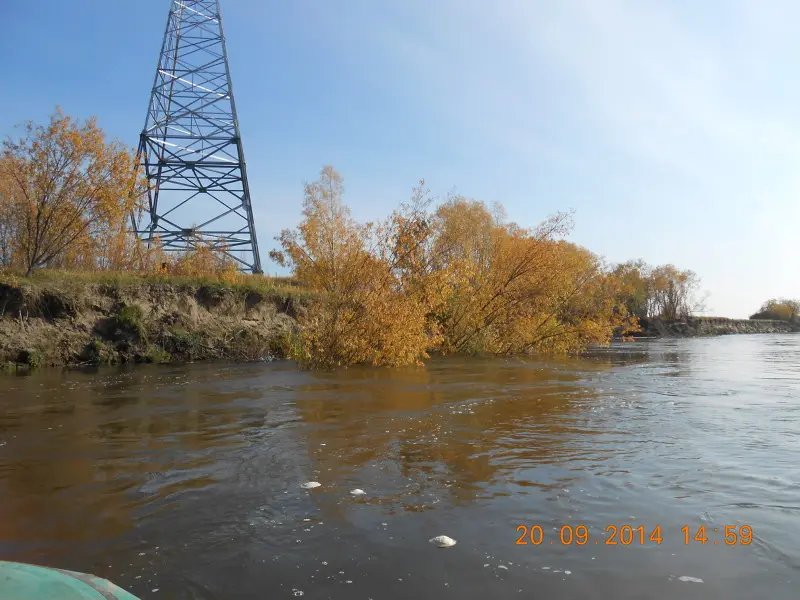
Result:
pixel 185 481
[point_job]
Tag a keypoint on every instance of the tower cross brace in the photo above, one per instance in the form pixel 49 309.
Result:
pixel 190 149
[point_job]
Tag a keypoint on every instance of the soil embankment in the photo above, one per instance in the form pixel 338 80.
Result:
pixel 67 323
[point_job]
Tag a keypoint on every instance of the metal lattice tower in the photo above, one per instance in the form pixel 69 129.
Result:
pixel 191 149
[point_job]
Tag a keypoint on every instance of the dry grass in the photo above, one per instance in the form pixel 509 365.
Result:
pixel 67 318
pixel 278 288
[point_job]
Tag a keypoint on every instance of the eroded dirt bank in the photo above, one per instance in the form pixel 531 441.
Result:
pixel 62 324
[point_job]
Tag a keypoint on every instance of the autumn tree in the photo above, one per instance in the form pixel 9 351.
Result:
pixel 664 291
pixel 779 309
pixel 520 290
pixel 328 240
pixel 585 309
pixel 362 314
pixel 465 231
pixel 634 287
pixel 457 278
pixel 414 250
pixel 674 292
pixel 501 277
pixel 70 191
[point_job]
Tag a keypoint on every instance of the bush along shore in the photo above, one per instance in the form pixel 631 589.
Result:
pixel 60 322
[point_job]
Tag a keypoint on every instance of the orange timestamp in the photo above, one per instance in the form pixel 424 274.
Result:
pixel 627 535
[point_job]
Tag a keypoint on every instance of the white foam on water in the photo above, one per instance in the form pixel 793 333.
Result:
pixel 690 579
pixel 310 485
pixel 443 541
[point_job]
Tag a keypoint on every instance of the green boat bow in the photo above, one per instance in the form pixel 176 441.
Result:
pixel 19 581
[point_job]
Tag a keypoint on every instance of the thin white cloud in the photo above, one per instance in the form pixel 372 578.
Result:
pixel 645 80
pixel 670 94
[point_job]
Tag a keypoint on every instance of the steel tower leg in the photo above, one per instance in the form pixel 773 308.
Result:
pixel 190 148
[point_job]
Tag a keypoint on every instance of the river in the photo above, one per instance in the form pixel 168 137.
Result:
pixel 185 481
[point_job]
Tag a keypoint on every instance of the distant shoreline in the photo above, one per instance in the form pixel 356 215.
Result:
pixel 706 326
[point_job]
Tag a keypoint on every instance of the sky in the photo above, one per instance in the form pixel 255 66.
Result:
pixel 672 129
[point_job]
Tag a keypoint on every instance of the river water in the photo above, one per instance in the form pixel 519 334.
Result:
pixel 185 481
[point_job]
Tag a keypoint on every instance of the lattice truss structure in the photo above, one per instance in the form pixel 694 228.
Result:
pixel 191 148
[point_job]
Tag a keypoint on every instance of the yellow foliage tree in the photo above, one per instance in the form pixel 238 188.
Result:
pixel 521 290
pixel 465 231
pixel 410 244
pixel 71 191
pixel 457 280
pixel 362 314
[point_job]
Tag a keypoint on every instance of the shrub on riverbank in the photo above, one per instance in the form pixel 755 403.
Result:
pixel 456 279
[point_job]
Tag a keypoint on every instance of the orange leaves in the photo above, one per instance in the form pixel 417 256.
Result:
pixel 374 323
pixel 459 279
pixel 506 278
pixel 363 315
pixel 71 190
pixel 328 243
pixel 205 260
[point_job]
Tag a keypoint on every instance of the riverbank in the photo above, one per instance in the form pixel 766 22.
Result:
pixel 703 326
pixel 72 319
pixel 59 320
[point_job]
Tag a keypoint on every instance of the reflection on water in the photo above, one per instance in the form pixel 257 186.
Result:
pixel 186 479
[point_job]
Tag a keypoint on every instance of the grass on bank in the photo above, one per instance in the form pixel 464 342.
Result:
pixel 278 288
pixel 59 317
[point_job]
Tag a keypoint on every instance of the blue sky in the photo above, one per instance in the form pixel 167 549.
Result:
pixel 672 128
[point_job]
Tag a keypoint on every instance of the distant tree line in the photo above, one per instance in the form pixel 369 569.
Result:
pixel 779 309
pixel 664 292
